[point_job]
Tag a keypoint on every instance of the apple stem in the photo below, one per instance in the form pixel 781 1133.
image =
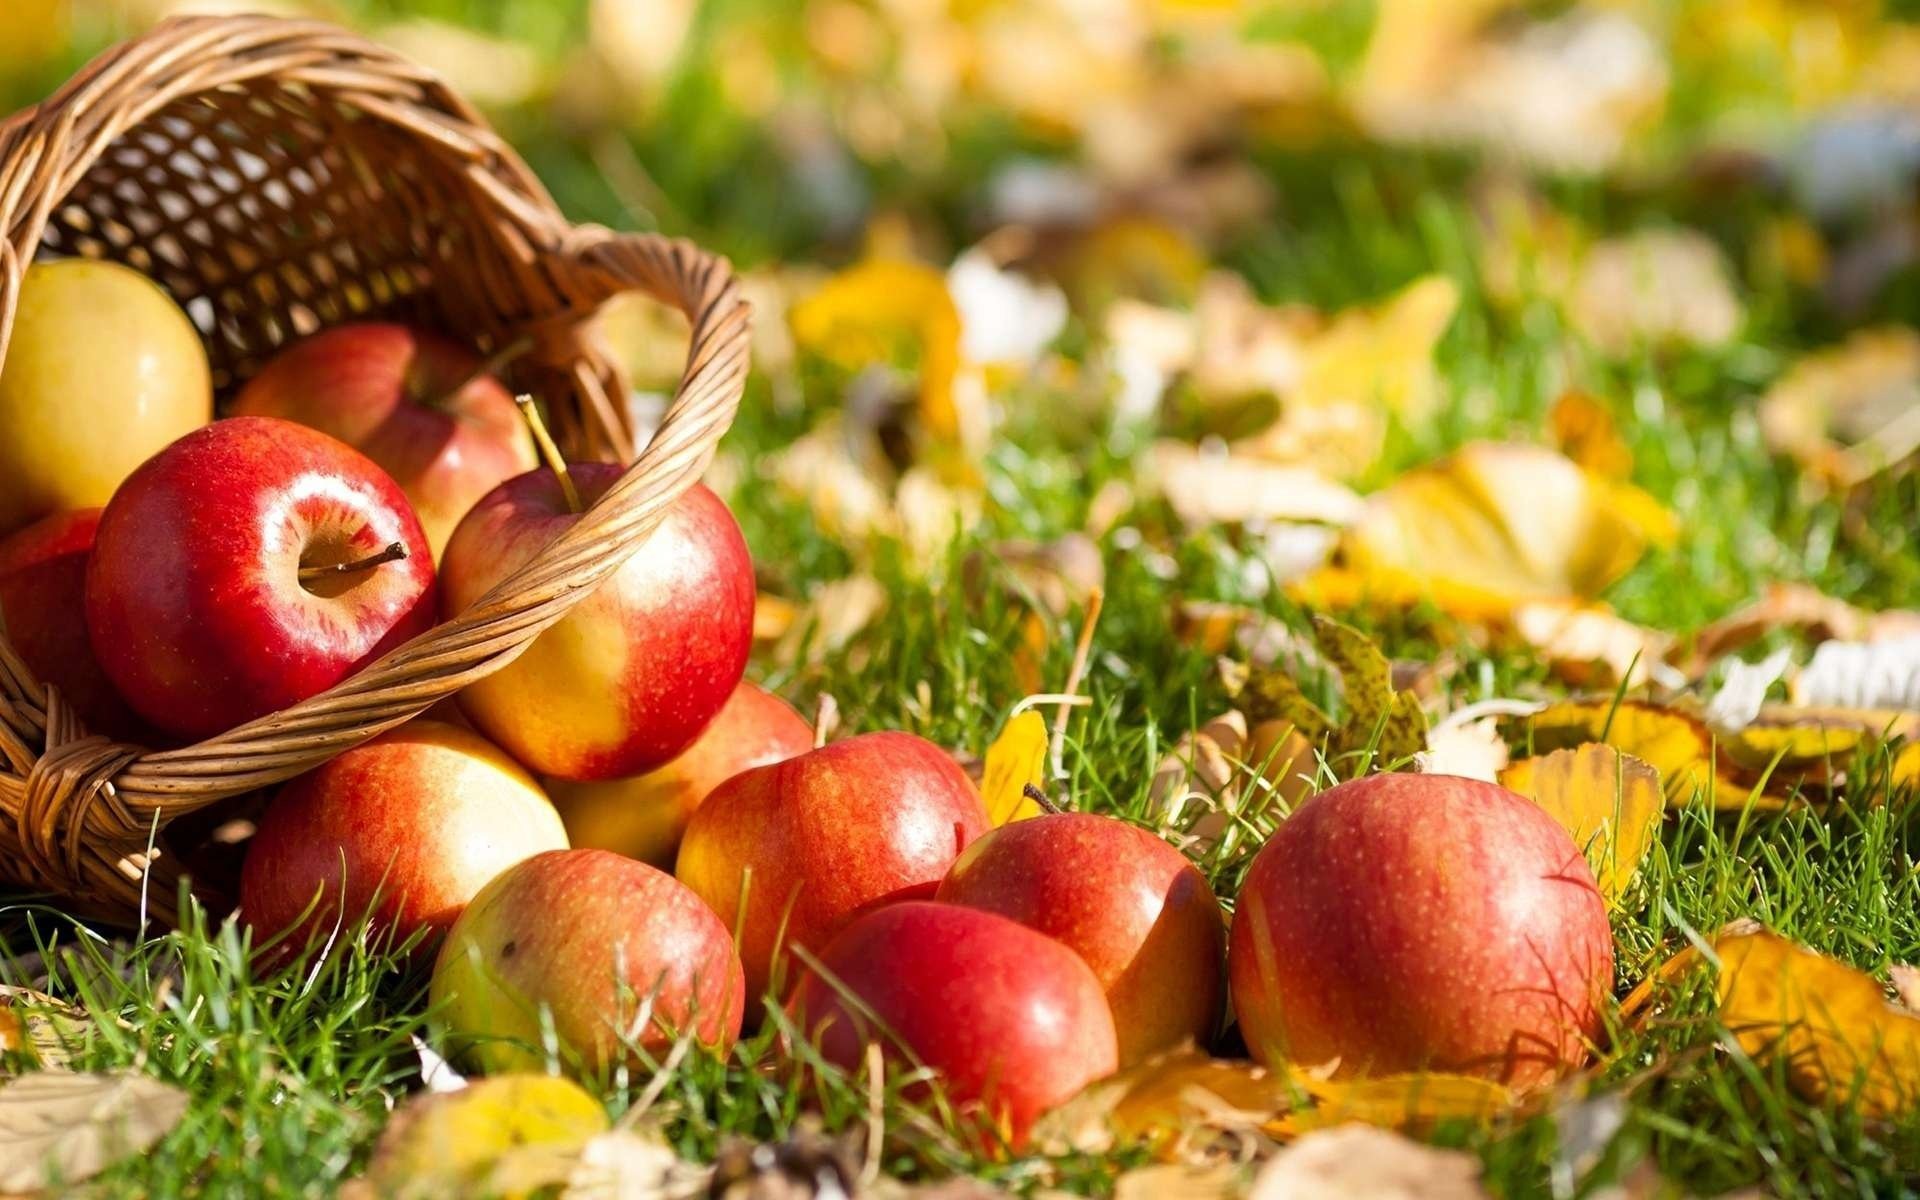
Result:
pixel 549 452
pixel 826 718
pixel 395 552
pixel 489 366
pixel 1033 793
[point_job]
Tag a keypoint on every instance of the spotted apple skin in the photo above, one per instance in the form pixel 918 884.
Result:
pixel 1421 922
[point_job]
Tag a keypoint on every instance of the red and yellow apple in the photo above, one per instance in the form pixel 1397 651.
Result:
pixel 405 829
pixel 628 678
pixel 787 854
pixel 102 370
pixel 1421 922
pixel 1013 1022
pixel 248 566
pixel 1144 919
pixel 605 951
pixel 43 575
pixel 414 402
pixel 644 816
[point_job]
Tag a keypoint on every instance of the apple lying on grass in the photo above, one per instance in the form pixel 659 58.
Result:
pixel 1014 1022
pixel 628 678
pixel 248 566
pixel 1421 922
pixel 406 828
pixel 644 816
pixel 418 404
pixel 43 575
pixel 787 854
pixel 102 370
pixel 609 951
pixel 1128 903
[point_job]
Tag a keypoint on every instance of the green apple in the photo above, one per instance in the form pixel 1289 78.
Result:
pixel 102 371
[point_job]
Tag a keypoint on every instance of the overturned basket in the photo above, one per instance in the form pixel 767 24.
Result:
pixel 278 177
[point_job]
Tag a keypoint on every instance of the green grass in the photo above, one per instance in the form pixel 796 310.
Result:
pixel 293 1075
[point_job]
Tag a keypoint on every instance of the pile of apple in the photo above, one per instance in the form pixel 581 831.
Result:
pixel 374 479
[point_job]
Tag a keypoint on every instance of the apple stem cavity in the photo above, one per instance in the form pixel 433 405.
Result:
pixel 395 552
pixel 549 453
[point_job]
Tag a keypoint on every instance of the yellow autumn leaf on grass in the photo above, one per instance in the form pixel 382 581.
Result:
pixel 1172 1101
pixel 456 1143
pixel 1406 1102
pixel 1610 802
pixel 1674 743
pixel 1496 524
pixel 1367 365
pixel 889 312
pixel 1017 758
pixel 1841 1042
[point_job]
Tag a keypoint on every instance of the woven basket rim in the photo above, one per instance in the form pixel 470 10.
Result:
pixel 78 811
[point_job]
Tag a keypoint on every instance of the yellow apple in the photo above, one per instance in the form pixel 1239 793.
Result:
pixel 102 371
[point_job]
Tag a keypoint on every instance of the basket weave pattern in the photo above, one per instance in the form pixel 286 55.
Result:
pixel 278 177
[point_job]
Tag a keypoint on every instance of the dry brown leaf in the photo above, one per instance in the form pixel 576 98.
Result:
pixel 1179 1181
pixel 1654 287
pixel 1851 411
pixel 1610 802
pixel 1564 94
pixel 1496 524
pixel 60 1127
pixel 1179 1101
pixel 1802 609
pixel 1831 1026
pixel 1589 645
pixel 623 1164
pixel 1208 488
pixel 1360 1162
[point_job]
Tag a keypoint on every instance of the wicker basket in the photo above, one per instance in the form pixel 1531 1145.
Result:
pixel 277 177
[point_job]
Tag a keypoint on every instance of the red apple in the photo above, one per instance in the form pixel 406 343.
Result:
pixel 240 570
pixel 644 816
pixel 1131 905
pixel 597 940
pixel 811 842
pixel 1421 922
pixel 414 402
pixel 43 576
pixel 406 827
pixel 631 676
pixel 1013 1022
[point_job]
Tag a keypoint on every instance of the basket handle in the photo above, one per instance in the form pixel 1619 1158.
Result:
pixel 88 801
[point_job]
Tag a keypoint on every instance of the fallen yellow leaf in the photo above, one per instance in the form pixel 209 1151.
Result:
pixel 1589 645
pixel 450 1143
pixel 1583 429
pixel 1674 743
pixel 1016 758
pixel 889 312
pixel 1173 1101
pixel 1406 1102
pixel 1840 1041
pixel 1610 802
pixel 1496 524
